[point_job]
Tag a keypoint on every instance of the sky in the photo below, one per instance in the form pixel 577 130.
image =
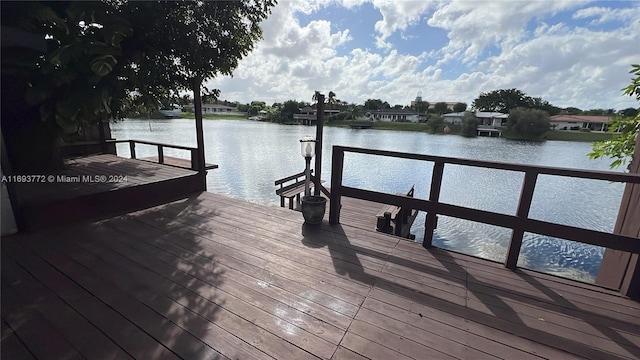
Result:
pixel 570 53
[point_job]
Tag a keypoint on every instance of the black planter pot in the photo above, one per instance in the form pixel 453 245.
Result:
pixel 313 208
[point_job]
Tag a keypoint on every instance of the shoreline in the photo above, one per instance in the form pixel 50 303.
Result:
pixel 551 135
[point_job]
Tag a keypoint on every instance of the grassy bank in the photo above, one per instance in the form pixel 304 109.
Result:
pixel 577 136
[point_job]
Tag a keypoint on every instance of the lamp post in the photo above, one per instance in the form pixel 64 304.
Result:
pixel 307 150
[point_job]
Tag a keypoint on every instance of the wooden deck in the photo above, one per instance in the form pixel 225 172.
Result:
pixel 210 277
pixel 97 185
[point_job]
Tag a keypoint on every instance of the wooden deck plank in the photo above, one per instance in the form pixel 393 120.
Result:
pixel 284 290
pixel 294 269
pixel 345 354
pixel 193 307
pixel 83 335
pixel 399 344
pixel 245 304
pixel 442 325
pixel 133 339
pixel 11 347
pixel 237 286
pixel 453 344
pixel 437 311
pixel 302 261
pixel 40 337
pixel 229 333
pixel 370 349
pixel 248 281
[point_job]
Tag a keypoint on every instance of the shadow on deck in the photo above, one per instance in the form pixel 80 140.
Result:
pixel 212 277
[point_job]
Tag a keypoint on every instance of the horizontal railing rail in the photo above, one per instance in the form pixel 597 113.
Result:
pixel 195 164
pixel 518 223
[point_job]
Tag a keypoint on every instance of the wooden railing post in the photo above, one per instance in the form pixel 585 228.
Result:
pixel 160 154
pixel 434 196
pixel 337 163
pixel 132 148
pixel 524 204
pixel 195 163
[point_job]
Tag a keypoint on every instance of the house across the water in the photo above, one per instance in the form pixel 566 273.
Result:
pixel 486 118
pixel 214 109
pixel 393 115
pixel 578 122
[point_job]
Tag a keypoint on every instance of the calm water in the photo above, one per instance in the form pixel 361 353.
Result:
pixel 251 155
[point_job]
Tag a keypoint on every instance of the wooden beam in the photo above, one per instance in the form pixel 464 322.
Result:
pixel 526 196
pixel 319 135
pixel 197 106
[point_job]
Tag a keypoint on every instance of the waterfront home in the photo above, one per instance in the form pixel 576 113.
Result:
pixel 578 122
pixel 213 109
pixel 389 115
pixel 308 114
pixel 486 118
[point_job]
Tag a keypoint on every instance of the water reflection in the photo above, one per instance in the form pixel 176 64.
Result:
pixel 251 155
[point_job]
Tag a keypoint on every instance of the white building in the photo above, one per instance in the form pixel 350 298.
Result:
pixel 389 115
pixel 214 109
pixel 577 122
pixel 494 119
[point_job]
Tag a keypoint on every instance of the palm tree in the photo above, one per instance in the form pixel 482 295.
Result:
pixel 355 111
pixel 314 98
pixel 331 100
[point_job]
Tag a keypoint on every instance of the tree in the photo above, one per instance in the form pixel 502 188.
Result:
pixel 538 103
pixel 289 108
pixel 376 104
pixel 440 108
pixel 435 124
pixel 622 145
pixel 355 111
pixel 470 124
pixel 460 107
pixel 502 100
pixel 102 54
pixel 629 112
pixel 572 111
pixel 528 123
pixel 331 99
pixel 420 106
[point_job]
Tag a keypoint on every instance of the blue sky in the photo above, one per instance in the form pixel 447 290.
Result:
pixel 570 53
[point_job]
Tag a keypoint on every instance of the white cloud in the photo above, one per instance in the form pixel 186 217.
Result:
pixel 603 15
pixel 397 15
pixel 562 63
pixel 472 26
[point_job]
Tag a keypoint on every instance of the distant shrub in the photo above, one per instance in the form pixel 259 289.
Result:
pixel 435 124
pixel 585 130
pixel 469 125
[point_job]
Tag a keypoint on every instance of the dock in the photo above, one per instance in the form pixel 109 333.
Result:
pixel 100 185
pixel 212 277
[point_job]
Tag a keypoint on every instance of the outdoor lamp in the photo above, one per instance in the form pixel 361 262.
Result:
pixel 307 147
pixel 308 150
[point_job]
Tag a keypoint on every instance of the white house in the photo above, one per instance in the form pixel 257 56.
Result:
pixel 453 118
pixel 214 109
pixel 494 119
pixel 389 115
pixel 577 122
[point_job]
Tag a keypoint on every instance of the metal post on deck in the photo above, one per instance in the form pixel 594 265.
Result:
pixel 319 130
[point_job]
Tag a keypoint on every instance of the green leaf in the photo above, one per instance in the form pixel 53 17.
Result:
pixel 103 65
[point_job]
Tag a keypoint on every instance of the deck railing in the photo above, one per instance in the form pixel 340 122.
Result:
pixel 160 150
pixel 518 223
